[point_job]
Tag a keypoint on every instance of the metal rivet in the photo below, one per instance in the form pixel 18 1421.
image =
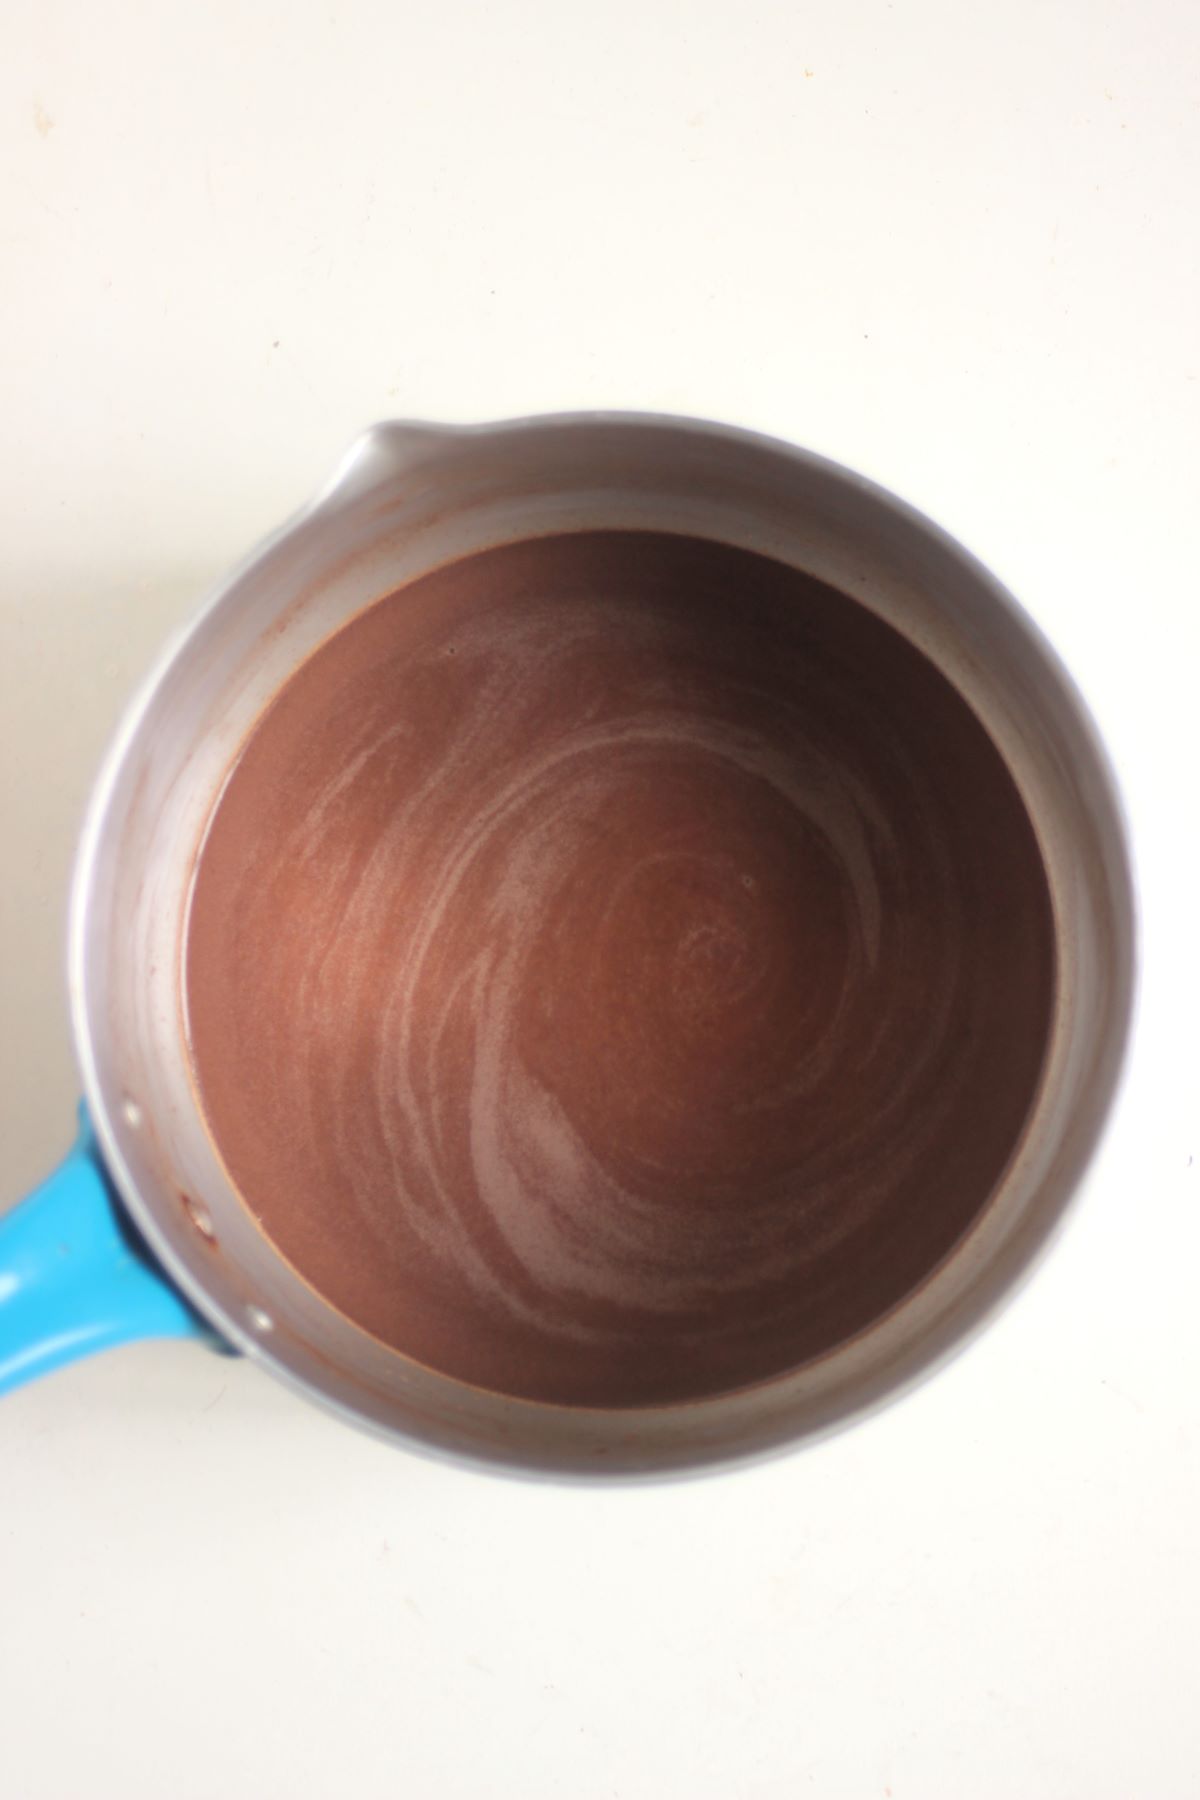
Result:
pixel 132 1112
pixel 200 1217
pixel 258 1319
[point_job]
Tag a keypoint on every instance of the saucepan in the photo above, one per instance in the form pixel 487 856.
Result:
pixel 142 1231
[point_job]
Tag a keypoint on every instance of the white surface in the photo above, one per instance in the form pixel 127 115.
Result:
pixel 954 246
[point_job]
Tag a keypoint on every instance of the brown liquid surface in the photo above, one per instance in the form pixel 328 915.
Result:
pixel 618 969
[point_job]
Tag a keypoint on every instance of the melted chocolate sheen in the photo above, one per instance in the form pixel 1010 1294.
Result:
pixel 618 969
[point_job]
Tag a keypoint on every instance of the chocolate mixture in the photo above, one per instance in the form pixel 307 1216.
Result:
pixel 618 969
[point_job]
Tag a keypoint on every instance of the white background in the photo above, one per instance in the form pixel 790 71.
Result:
pixel 954 245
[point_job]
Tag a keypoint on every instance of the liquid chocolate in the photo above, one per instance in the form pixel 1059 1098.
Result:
pixel 618 969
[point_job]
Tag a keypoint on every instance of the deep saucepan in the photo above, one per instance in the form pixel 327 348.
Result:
pixel 143 1232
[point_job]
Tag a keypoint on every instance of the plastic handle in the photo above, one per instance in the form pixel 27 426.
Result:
pixel 74 1277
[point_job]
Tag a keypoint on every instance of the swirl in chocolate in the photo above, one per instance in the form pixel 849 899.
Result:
pixel 618 968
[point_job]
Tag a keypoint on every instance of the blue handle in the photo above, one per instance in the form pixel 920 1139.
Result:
pixel 74 1277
